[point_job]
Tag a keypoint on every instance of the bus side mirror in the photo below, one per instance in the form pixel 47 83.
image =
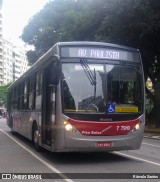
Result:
pixel 56 70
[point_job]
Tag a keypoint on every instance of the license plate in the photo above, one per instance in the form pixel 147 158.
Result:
pixel 103 144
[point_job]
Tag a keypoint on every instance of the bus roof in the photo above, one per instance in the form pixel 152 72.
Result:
pixel 90 43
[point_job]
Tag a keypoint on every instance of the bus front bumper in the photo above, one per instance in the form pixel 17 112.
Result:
pixel 79 143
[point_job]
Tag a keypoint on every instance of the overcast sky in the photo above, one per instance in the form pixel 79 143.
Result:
pixel 16 14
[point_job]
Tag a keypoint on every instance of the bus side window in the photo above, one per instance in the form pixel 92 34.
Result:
pixel 14 98
pixel 25 95
pixel 31 90
pixel 39 78
pixel 20 97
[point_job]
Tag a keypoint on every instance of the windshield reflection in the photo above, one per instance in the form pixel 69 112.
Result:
pixel 79 93
pixel 97 87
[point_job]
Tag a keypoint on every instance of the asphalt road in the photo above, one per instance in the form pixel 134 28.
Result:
pixel 18 159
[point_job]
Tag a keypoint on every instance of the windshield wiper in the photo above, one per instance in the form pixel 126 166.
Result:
pixel 89 74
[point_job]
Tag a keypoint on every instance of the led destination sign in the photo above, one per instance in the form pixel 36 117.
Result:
pixel 100 53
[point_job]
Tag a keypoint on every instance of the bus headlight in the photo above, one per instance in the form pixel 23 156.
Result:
pixel 68 127
pixel 137 127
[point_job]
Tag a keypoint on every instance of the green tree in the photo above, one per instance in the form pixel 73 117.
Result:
pixel 62 20
pixel 3 94
pixel 136 23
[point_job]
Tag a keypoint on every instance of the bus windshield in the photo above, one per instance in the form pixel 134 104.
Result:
pixel 101 88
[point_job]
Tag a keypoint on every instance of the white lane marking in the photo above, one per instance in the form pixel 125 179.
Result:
pixel 41 160
pixel 137 158
pixel 150 144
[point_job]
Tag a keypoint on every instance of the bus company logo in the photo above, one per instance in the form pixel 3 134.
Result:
pixel 91 133
pixel 96 132
pixel 6 176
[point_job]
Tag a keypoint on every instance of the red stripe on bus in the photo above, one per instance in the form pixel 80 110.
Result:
pixel 103 128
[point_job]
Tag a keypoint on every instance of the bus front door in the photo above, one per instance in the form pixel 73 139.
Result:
pixel 48 106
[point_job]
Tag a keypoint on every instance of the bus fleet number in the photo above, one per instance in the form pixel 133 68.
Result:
pixel 123 128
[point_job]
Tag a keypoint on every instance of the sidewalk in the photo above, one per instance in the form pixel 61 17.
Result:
pixel 153 133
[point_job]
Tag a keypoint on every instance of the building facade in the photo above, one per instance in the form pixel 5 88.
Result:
pixel 7 62
pixel 14 61
pixel 20 63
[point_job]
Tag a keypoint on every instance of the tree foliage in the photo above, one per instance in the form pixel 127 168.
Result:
pixel 62 20
pixel 134 23
pixel 3 94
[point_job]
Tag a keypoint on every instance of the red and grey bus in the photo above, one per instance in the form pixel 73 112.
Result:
pixel 81 96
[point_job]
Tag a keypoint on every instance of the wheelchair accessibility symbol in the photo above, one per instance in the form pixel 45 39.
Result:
pixel 111 108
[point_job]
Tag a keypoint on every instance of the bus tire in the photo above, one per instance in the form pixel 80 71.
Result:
pixel 35 137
